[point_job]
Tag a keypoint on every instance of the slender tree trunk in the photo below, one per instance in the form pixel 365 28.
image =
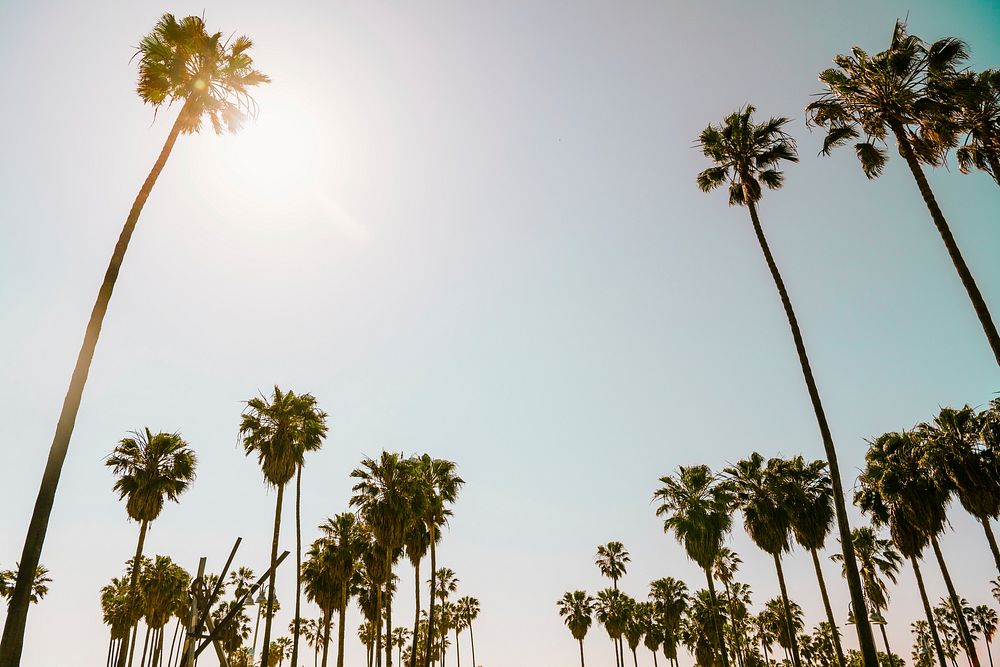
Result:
pixel 17 611
pixel 991 538
pixel 133 591
pixel 989 644
pixel 131 647
pixel 582 663
pixel 416 613
pixel 834 632
pixel 885 640
pixel 635 659
pixel 866 639
pixel 978 303
pixel 111 647
pixel 621 651
pixel 655 662
pixel 145 646
pixel 325 640
pixel 430 618
pixel 173 640
pixel 716 621
pixel 298 566
pixel 458 651
pixel 341 629
pixel 963 627
pixel 378 626
pixel 792 640
pixel 472 640
pixel 928 612
pixel 732 619
pixel 388 615
pixel 265 656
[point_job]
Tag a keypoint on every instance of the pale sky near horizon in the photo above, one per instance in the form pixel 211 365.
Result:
pixel 470 229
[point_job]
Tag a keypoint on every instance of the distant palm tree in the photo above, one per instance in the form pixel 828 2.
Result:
pixel 344 542
pixel 611 611
pixel 985 622
pixel 279 431
pixel 895 491
pixel 956 453
pixel 178 61
pixel 399 638
pixel 577 610
pixel 747 156
pixel 115 612
pixel 652 628
pixel 612 560
pixel 812 516
pixel 468 610
pixel 283 649
pixel 785 621
pixel 887 94
pixel 39 584
pixel 725 567
pixel 164 584
pixel 670 601
pixel 699 512
pixel 151 469
pixel 634 628
pixel 878 561
pixel 438 483
pixel 418 542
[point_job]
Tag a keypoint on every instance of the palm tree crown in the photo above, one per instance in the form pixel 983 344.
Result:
pixel 151 469
pixel 612 559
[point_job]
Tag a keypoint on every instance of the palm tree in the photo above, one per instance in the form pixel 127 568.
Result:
pixel 399 638
pixel 178 61
pixel 985 622
pixel 888 94
pixel 309 445
pixel 417 545
pixel 283 648
pixel 670 601
pixel 725 567
pixel 151 469
pixel 576 609
pixel 468 611
pixel 343 545
pixel 652 627
pixel 812 517
pixel 279 430
pixel 438 483
pixel 612 560
pixel 747 155
pixel 972 471
pixel 974 100
pixel 164 584
pixel 698 511
pixel 696 629
pixel 634 627
pixel 762 492
pixel 878 560
pixel 387 498
pixel 785 621
pixel 895 491
pixel 115 612
pixel 611 610
pixel 39 584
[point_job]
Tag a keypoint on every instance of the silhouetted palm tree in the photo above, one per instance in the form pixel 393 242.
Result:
pixel 468 610
pixel 279 431
pixel 887 94
pixel 151 469
pixel 699 512
pixel 878 560
pixel 725 567
pixel 611 611
pixel 670 601
pixel 612 560
pixel 179 61
pixel 747 156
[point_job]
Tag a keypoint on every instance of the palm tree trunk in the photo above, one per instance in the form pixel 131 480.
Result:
pixel 792 640
pixel 416 613
pixel 885 640
pixel 978 303
pixel 963 627
pixel 866 639
pixel 378 626
pixel 430 618
pixel 635 659
pixel 989 644
pixel 17 610
pixel 324 638
pixel 388 615
pixel 111 647
pixel 582 663
pixel 472 640
pixel 145 647
pixel 298 566
pixel 133 591
pixel 732 620
pixel 655 662
pixel 173 640
pixel 991 538
pixel 458 650
pixel 717 622
pixel 829 609
pixel 927 612
pixel 265 656
pixel 621 651
pixel 341 629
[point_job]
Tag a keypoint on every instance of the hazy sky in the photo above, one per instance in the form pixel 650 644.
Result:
pixel 471 229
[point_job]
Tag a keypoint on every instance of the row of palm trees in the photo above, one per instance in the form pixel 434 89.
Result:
pixel 924 98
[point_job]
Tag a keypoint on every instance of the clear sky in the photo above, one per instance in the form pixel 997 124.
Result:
pixel 469 228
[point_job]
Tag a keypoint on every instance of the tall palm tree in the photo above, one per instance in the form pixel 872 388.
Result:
pixel 725 567
pixel 319 577
pixel 417 545
pixel 887 94
pixel 612 560
pixel 747 155
pixel 279 431
pixel 761 491
pixel 895 491
pixel 812 514
pixel 670 601
pixel 179 61
pixel 974 99
pixel 468 610
pixel 955 450
pixel 151 469
pixel 985 623
pixel 115 611
pixel 387 498
pixel 878 560
pixel 438 483
pixel 346 542
pixel 698 511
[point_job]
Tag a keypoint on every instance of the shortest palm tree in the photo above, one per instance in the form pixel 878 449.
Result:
pixel 577 609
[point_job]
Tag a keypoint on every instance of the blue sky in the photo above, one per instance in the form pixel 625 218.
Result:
pixel 470 229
